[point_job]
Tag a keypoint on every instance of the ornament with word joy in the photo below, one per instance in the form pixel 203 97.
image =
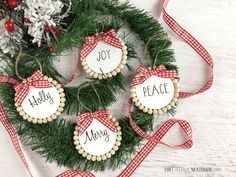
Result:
pixel 103 55
pixel 97 136
pixel 155 90
pixel 39 99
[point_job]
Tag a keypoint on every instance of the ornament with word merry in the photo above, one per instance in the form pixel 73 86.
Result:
pixel 39 99
pixel 97 135
pixel 103 55
pixel 155 90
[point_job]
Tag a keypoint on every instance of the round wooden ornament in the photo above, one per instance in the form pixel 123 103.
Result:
pixel 39 99
pixel 103 55
pixel 155 91
pixel 97 136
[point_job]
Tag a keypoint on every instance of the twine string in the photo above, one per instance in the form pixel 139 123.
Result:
pixel 19 57
pixel 96 92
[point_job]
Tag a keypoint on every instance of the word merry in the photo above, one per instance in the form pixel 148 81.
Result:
pixel 151 90
pixel 103 55
pixel 41 98
pixel 93 136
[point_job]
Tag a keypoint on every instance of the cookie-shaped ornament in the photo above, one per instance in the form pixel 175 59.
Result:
pixel 103 55
pixel 97 136
pixel 39 99
pixel 155 90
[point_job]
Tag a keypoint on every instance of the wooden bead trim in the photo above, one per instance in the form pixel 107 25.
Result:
pixel 112 73
pixel 161 110
pixel 104 156
pixel 52 117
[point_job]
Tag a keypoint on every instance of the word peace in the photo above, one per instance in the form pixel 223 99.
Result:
pixel 151 90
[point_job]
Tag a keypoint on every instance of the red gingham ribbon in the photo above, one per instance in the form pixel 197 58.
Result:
pixel 143 134
pixel 7 79
pixel 73 173
pixel 14 139
pixel 187 37
pixel 86 119
pixel 150 145
pixel 91 42
pixel 22 89
pixel 160 71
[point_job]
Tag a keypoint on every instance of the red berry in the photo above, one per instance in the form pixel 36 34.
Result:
pixel 51 49
pixel 12 4
pixel 9 25
pixel 57 32
pixel 48 28
pixel 26 20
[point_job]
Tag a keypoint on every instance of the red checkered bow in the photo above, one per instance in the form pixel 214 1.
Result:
pixel 160 71
pixel 91 42
pixel 22 89
pixel 86 119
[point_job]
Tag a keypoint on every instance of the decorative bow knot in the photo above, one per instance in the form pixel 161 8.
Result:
pixel 160 71
pixel 86 119
pixel 22 89
pixel 91 42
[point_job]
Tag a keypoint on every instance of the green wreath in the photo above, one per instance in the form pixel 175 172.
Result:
pixel 54 140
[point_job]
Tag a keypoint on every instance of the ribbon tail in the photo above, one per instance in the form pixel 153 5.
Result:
pixel 14 139
pixel 73 173
pixel 7 79
pixel 87 49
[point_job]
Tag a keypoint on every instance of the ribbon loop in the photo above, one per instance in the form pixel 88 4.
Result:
pixel 86 119
pixel 192 42
pixel 22 89
pixel 156 139
pixel 160 71
pixel 91 42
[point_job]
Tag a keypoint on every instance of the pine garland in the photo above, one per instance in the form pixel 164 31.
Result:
pixel 54 140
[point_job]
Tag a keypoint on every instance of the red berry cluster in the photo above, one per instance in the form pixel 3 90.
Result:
pixel 9 25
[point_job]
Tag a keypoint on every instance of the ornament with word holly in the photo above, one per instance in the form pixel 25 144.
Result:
pixel 97 137
pixel 39 99
pixel 103 55
pixel 154 94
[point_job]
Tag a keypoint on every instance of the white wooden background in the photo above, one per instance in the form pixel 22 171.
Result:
pixel 211 114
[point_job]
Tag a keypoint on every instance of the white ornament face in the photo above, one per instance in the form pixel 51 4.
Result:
pixel 98 142
pixel 97 139
pixel 41 102
pixel 105 60
pixel 155 92
pixel 156 95
pixel 42 105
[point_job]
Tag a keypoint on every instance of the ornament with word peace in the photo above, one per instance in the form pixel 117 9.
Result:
pixel 155 90
pixel 39 99
pixel 103 55
pixel 97 136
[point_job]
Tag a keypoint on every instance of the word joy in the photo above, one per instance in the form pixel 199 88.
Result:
pixel 93 136
pixel 103 55
pixel 41 98
pixel 153 90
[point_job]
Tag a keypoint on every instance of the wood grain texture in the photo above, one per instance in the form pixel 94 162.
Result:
pixel 211 114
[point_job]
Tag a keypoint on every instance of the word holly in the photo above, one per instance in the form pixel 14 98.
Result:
pixel 42 97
